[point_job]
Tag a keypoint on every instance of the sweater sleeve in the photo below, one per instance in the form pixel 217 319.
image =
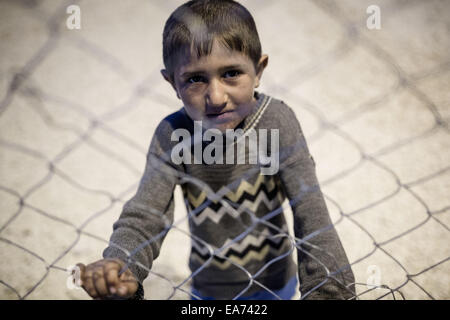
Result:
pixel 147 217
pixel 323 268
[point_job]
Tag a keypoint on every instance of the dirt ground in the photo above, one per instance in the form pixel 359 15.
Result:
pixel 78 109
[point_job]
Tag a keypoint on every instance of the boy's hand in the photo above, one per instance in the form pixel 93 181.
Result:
pixel 101 279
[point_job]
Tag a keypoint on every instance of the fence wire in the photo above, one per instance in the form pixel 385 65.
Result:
pixel 20 84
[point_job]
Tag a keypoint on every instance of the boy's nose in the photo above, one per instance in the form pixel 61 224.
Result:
pixel 216 95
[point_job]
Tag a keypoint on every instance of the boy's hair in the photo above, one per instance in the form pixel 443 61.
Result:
pixel 193 27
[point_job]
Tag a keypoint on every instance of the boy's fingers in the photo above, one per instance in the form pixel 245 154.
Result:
pixel 111 273
pixel 128 284
pixel 100 283
pixel 88 284
pixel 103 279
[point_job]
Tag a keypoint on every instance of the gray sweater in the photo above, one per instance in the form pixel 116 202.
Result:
pixel 238 227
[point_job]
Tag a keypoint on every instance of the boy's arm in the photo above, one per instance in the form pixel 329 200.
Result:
pixel 322 253
pixel 146 218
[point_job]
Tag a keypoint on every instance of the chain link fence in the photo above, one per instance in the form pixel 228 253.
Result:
pixel 78 109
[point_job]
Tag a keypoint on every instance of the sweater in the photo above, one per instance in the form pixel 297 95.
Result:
pixel 239 237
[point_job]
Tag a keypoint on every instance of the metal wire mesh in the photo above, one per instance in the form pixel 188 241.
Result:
pixel 420 203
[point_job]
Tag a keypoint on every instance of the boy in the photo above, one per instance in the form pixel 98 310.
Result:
pixel 240 244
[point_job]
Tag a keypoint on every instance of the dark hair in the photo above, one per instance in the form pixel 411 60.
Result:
pixel 192 28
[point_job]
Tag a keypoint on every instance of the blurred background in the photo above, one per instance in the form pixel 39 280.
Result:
pixel 78 108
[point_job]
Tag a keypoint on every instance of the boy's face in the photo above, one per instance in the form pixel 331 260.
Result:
pixel 217 89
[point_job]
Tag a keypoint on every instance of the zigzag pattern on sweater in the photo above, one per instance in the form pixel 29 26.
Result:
pixel 244 186
pixel 238 248
pixel 252 248
pixel 249 197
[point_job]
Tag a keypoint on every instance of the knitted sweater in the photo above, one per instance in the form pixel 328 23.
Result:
pixel 238 227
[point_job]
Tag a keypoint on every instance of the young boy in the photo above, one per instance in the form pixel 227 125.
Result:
pixel 240 242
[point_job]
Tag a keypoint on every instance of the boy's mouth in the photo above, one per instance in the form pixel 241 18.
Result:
pixel 221 116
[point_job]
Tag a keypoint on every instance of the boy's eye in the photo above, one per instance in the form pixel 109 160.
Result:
pixel 231 74
pixel 195 79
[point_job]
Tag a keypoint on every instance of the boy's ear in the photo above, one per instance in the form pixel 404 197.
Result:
pixel 169 79
pixel 262 64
